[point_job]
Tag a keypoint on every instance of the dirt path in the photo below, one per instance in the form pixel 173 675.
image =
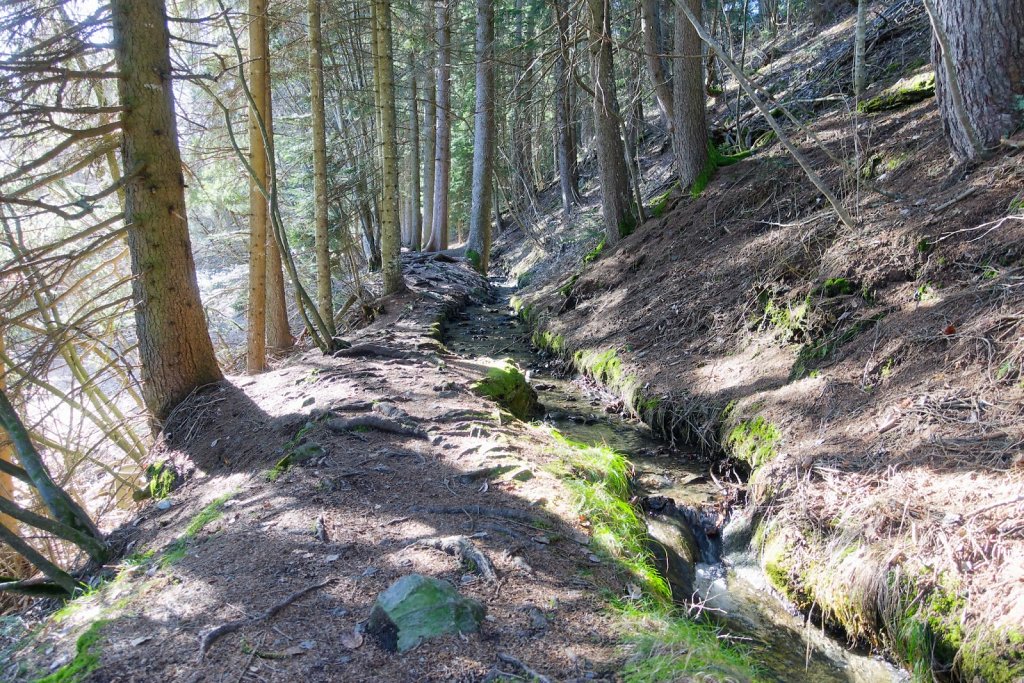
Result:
pixel 358 513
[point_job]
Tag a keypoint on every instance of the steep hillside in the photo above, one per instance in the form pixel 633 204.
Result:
pixel 866 383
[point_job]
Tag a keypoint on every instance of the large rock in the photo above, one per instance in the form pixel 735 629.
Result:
pixel 508 386
pixel 417 607
pixel 675 552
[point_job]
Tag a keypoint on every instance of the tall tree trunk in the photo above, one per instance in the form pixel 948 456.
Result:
pixel 689 96
pixel 859 44
pixel 324 297
pixel 567 175
pixel 443 132
pixel 616 205
pixel 174 344
pixel 478 246
pixel 429 148
pixel 11 563
pixel 986 52
pixel 522 143
pixel 279 337
pixel 415 212
pixel 384 77
pixel 256 318
pixel 649 26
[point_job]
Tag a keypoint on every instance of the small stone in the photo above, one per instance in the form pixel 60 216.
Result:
pixel 164 504
pixel 543 540
pixel 309 401
pixel 307 644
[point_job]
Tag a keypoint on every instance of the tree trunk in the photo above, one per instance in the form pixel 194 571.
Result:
pixel 415 213
pixel 567 175
pixel 656 63
pixel 859 69
pixel 279 337
pixel 429 160
pixel 478 246
pixel 691 127
pixel 616 205
pixel 384 76
pixel 986 51
pixel 324 297
pixel 443 133
pixel 174 344
pixel 256 318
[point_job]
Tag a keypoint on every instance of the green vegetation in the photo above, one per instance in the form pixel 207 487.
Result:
pixel 177 550
pixel 819 350
pixel 507 385
pixel 669 646
pixel 902 94
pixel 837 286
pixel 660 203
pixel 716 160
pixel 87 657
pixel 566 288
pixel 789 320
pixel 754 442
pixel 595 253
pixel 160 480
pixel 552 343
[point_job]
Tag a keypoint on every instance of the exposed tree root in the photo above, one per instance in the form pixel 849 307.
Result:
pixel 463 548
pixel 381 424
pixel 507 513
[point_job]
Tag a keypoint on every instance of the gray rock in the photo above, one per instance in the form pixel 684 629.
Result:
pixel 674 547
pixel 417 607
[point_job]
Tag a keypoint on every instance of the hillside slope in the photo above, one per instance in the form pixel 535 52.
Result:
pixel 868 380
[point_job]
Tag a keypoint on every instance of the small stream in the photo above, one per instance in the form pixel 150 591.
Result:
pixel 676 486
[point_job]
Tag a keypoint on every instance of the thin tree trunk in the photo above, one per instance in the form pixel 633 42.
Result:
pixel 324 296
pixel 429 160
pixel 616 206
pixel 691 128
pixel 390 230
pixel 279 337
pixel 567 176
pixel 478 246
pixel 174 344
pixel 442 150
pixel 656 63
pixel 256 347
pixel 415 213
pixel 859 70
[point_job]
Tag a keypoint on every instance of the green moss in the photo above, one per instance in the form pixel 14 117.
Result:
pixel 837 286
pixel 902 94
pixel 595 253
pixel 160 480
pixel 716 160
pixel 87 657
pixel 660 202
pixel 566 288
pixel 788 319
pixel 508 386
pixel 824 349
pixel 994 657
pixel 473 257
pixel 754 442
pixel 552 343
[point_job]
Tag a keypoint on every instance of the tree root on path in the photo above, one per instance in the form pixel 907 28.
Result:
pixel 215 633
pixel 371 350
pixel 507 513
pixel 463 548
pixel 534 675
pixel 381 424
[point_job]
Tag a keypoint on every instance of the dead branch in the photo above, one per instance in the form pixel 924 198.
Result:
pixel 218 632
pixel 509 659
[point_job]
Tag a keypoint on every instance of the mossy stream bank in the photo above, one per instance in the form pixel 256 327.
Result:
pixel 678 497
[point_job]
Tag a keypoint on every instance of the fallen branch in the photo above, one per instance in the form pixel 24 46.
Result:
pixel 463 548
pixel 381 424
pixel 535 676
pixel 217 632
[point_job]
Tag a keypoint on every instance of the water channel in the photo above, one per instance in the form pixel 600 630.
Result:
pixel 728 583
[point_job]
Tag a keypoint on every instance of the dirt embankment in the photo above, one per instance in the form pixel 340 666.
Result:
pixel 871 379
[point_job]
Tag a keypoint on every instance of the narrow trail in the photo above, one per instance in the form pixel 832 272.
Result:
pixel 728 582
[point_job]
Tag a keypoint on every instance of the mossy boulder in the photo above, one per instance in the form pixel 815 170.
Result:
pixel 507 385
pixel 418 607
pixel 675 552
pixel 904 93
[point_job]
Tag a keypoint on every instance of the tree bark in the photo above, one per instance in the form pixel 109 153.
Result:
pixel 415 213
pixel 616 206
pixel 986 52
pixel 429 160
pixel 324 295
pixel 656 63
pixel 256 318
pixel 384 76
pixel 174 344
pixel 566 142
pixel 689 98
pixel 859 49
pixel 478 246
pixel 443 133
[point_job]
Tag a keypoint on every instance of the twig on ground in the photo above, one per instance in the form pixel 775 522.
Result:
pixel 536 676
pixel 464 549
pixel 217 632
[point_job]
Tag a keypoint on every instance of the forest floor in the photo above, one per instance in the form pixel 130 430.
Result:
pixel 869 378
pixel 239 538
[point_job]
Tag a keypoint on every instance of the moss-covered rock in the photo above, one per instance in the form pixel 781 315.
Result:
pixel 754 441
pixel 904 93
pixel 508 386
pixel 418 607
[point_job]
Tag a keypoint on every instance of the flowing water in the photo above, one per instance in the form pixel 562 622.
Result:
pixel 728 583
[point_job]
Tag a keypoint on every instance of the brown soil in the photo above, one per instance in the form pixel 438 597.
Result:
pixel 367 491
pixel 901 440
